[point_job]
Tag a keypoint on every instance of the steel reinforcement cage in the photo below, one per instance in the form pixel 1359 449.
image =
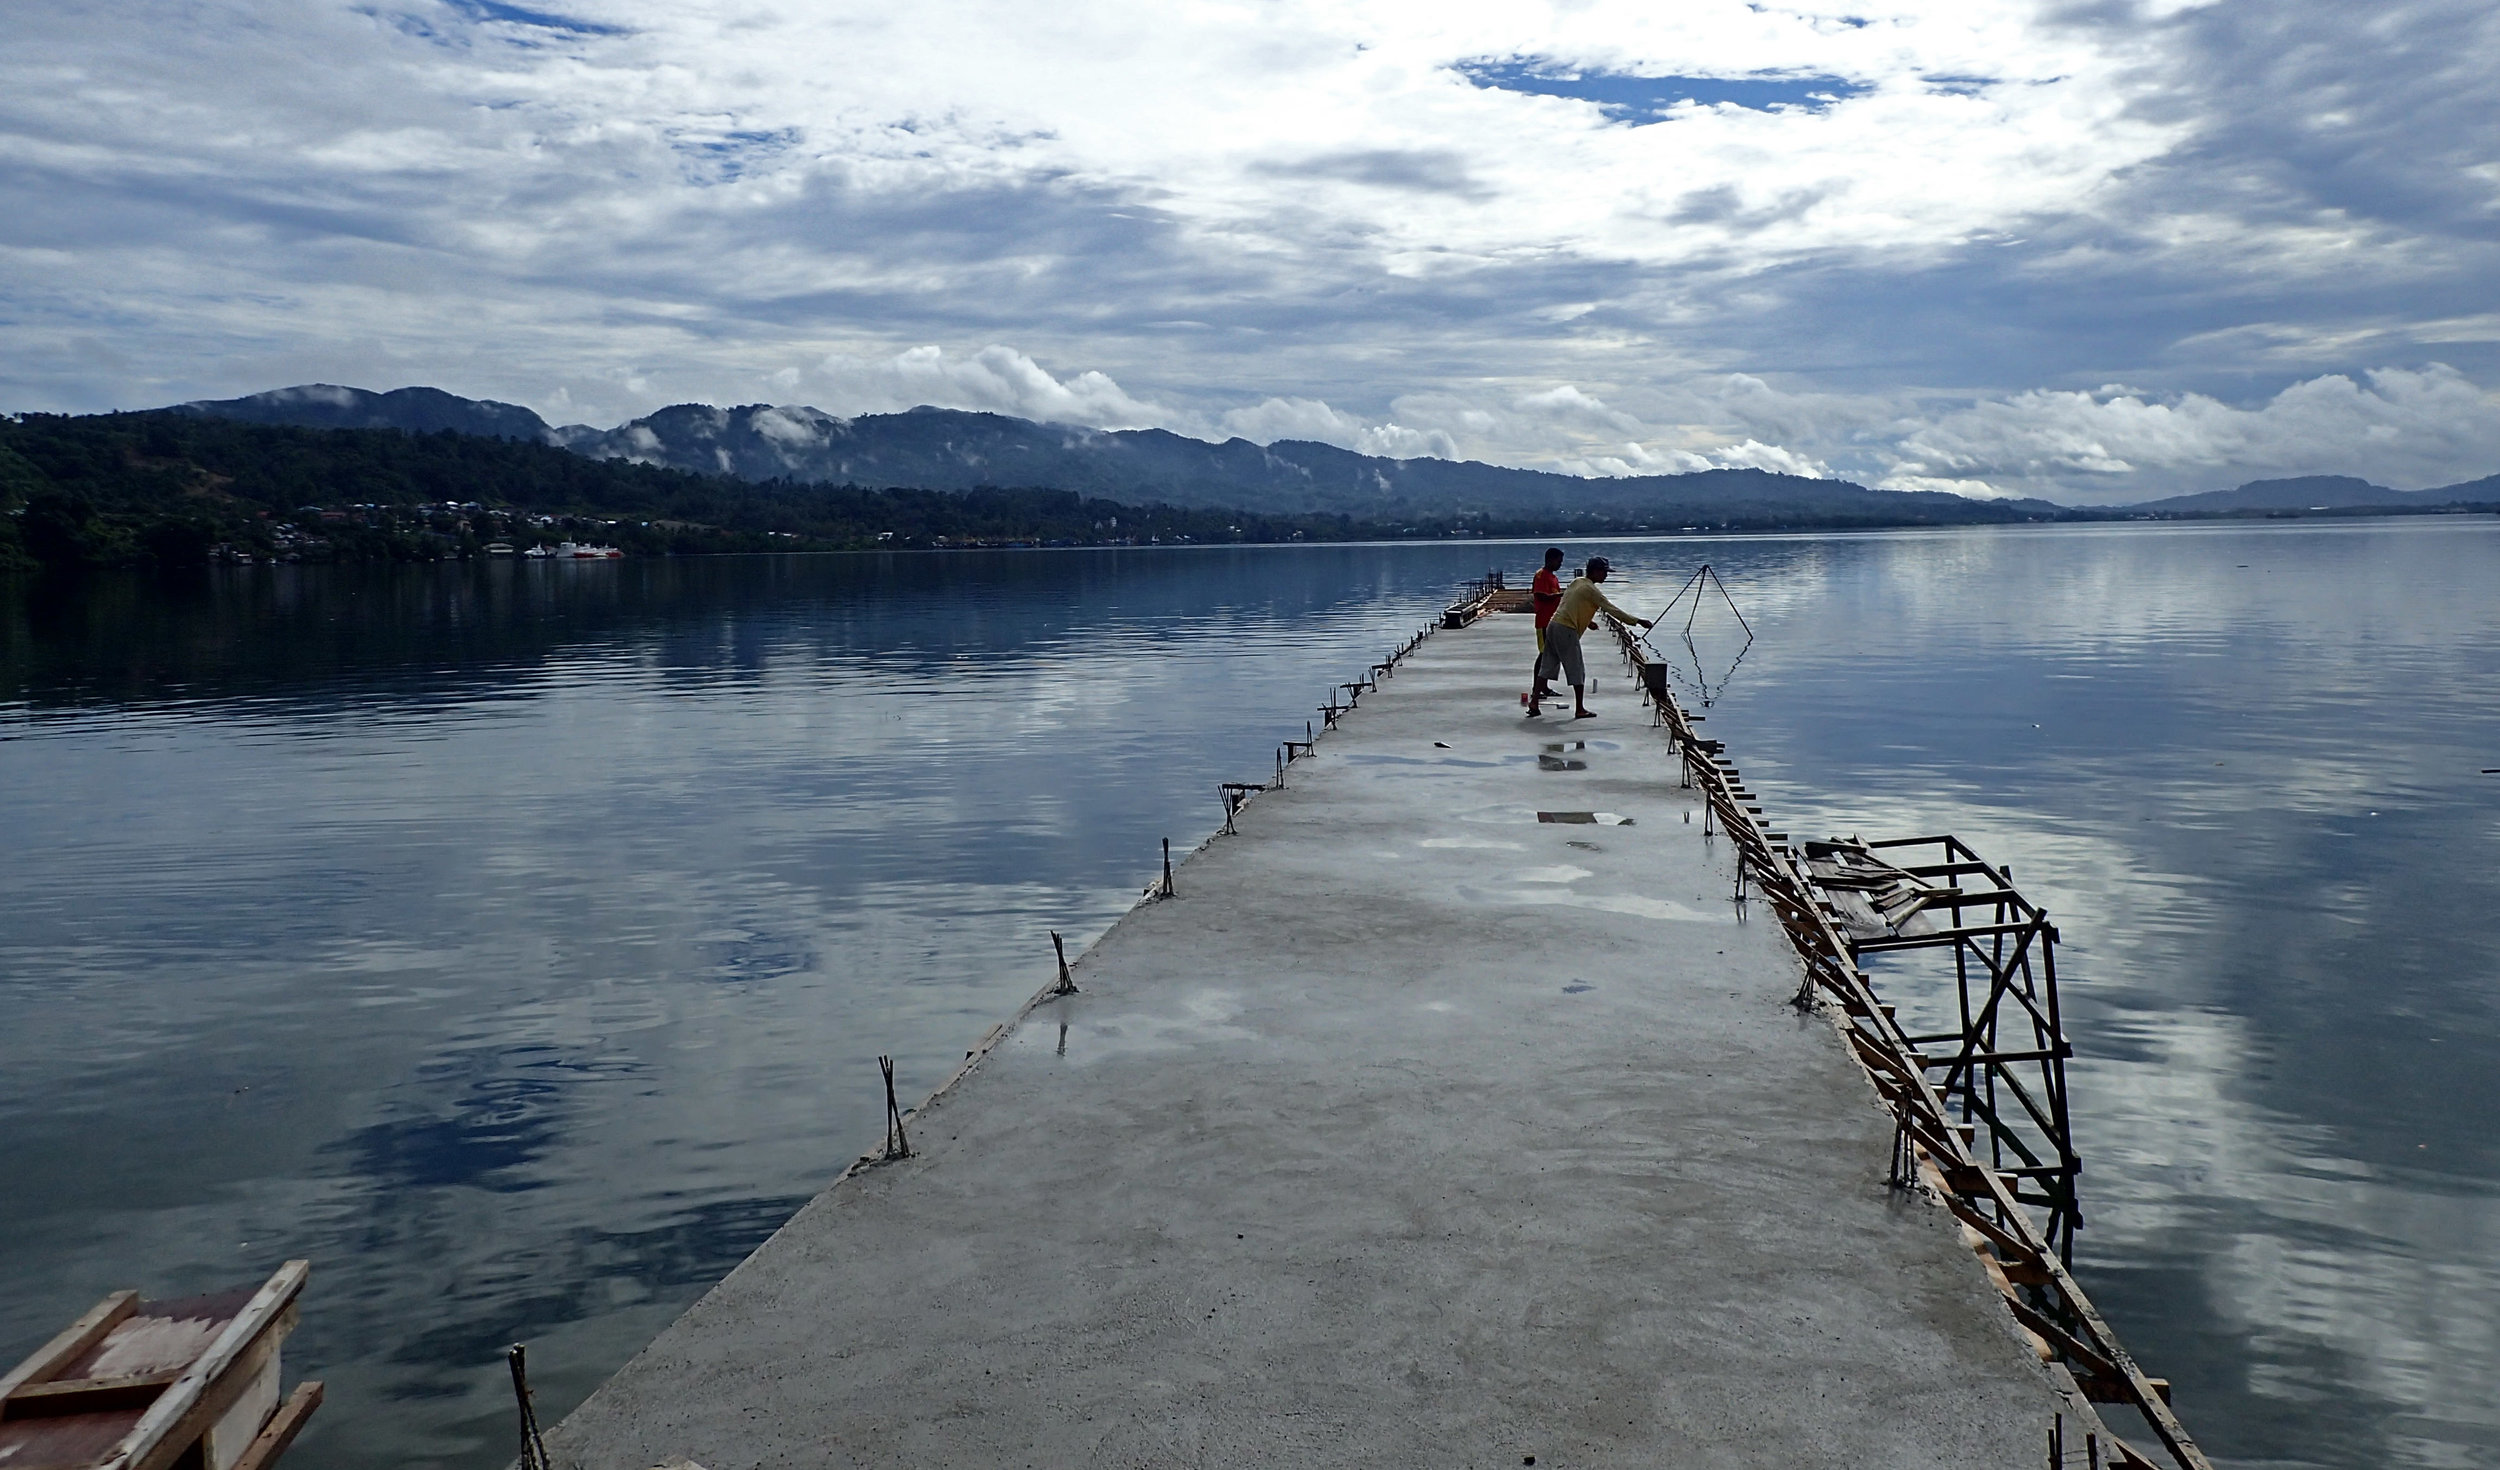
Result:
pixel 1999 1076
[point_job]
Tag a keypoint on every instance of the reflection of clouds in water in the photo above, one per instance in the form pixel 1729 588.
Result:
pixel 1634 905
pixel 1204 1017
pixel 713 883
pixel 2276 995
pixel 503 1119
pixel 524 962
pixel 1563 874
pixel 2299 1243
pixel 2173 590
pixel 2352 1282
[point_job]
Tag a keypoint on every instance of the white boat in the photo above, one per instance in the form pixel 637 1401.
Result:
pixel 541 553
pixel 584 551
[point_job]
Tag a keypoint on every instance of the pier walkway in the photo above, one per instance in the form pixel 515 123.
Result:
pixel 1415 1131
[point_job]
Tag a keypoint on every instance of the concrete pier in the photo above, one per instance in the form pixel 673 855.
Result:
pixel 1415 1131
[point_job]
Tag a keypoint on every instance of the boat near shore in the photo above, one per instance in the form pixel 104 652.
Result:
pixel 574 551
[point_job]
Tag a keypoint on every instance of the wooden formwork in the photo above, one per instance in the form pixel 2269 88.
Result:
pixel 190 1384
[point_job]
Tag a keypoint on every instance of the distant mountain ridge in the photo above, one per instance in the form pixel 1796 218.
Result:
pixel 2324 492
pixel 409 410
pixel 953 450
pixel 948 449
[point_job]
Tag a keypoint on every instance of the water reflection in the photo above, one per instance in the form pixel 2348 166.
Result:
pixel 1700 677
pixel 2247 793
pixel 517 945
pixel 516 940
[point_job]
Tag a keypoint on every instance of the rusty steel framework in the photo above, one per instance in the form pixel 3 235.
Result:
pixel 2002 1072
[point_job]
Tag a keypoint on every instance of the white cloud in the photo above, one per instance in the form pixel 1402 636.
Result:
pixel 1631 458
pixel 992 380
pixel 1214 219
pixel 1755 455
pixel 1000 379
pixel 2406 427
pixel 1308 418
pixel 1569 405
pixel 1974 489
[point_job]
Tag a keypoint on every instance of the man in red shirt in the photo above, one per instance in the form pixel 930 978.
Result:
pixel 1545 592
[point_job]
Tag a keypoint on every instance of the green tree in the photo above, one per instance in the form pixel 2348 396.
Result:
pixel 58 530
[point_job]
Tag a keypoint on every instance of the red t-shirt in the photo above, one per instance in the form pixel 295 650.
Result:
pixel 1546 593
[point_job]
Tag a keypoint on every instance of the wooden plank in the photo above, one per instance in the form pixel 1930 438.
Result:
pixel 73 1340
pixel 2156 1410
pixel 282 1428
pixel 2069 1347
pixel 185 1410
pixel 1874 1052
pixel 2005 1241
pixel 86 1395
pixel 182 1447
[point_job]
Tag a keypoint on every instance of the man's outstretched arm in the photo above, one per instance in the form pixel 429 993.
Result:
pixel 1608 604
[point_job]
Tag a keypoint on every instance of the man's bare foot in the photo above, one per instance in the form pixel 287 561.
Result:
pixel 1584 714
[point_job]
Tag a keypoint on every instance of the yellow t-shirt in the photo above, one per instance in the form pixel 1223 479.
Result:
pixel 1581 603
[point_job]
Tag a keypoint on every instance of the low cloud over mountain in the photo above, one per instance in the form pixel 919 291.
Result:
pixel 951 449
pixel 934 448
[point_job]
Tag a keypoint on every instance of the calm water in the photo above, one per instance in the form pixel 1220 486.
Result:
pixel 516 941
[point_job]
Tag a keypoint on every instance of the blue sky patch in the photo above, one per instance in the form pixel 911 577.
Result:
pixel 1641 100
pixel 519 15
pixel 721 158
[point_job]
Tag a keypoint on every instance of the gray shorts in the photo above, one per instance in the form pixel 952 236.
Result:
pixel 1562 656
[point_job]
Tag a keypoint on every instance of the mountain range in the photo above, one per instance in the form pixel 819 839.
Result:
pixel 2324 492
pixel 953 450
pixel 949 449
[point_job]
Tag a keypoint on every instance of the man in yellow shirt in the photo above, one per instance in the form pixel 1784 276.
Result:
pixel 1582 601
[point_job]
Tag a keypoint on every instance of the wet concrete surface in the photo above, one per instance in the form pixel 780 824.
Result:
pixel 1416 1131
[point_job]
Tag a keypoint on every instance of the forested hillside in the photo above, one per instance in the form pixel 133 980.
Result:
pixel 950 449
pixel 174 488
pixel 170 488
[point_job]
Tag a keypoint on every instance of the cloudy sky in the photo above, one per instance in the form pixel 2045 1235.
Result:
pixel 2096 251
